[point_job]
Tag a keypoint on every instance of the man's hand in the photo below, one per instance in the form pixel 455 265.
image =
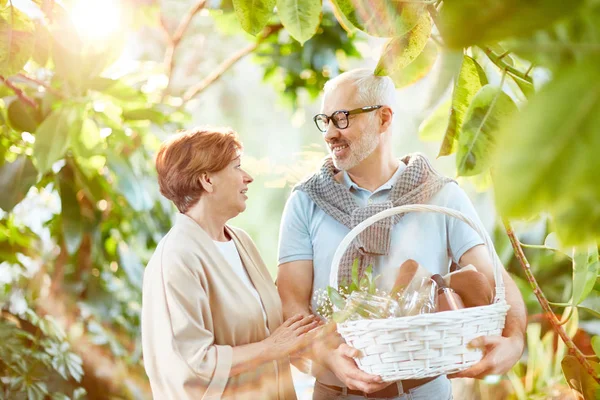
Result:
pixel 499 355
pixel 341 363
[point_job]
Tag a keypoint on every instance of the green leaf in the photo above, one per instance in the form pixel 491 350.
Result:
pixel 558 131
pixel 15 180
pixel 16 40
pixel 43 44
pixel 433 128
pixel 87 142
pixel 596 345
pixel 22 117
pixel 585 272
pixel 355 266
pixel 300 18
pixel 401 51
pixel 552 242
pixel 471 78
pixel 467 22
pixel 526 87
pixel 253 14
pixel 477 136
pixel 336 299
pixel 446 70
pixel 418 68
pixel 591 304
pixel 579 379
pixel 381 18
pixel 141 114
pixel 72 225
pixel 52 137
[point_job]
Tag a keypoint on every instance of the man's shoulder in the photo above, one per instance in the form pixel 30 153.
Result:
pixel 449 195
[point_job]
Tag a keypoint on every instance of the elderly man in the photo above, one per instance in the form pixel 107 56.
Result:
pixel 359 178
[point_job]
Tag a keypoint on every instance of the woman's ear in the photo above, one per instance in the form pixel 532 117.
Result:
pixel 205 181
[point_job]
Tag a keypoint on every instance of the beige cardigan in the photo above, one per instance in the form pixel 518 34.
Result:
pixel 195 309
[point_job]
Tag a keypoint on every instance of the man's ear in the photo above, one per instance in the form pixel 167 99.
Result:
pixel 206 182
pixel 387 116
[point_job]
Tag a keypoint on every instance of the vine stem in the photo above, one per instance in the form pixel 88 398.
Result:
pixel 539 294
pixel 500 63
pixel 19 92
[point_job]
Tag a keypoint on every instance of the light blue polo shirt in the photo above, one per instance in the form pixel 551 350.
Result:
pixel 432 239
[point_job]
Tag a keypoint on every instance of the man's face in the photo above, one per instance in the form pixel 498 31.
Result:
pixel 350 146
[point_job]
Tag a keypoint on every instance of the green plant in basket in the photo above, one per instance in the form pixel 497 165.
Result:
pixel 357 299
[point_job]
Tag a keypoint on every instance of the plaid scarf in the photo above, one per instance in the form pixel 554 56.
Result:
pixel 415 185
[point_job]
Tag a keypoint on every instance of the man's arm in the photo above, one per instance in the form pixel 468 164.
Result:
pixel 294 283
pixel 500 353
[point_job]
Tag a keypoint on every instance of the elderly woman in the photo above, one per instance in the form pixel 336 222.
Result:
pixel 211 317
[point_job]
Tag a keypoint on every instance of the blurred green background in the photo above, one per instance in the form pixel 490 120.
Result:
pixel 503 95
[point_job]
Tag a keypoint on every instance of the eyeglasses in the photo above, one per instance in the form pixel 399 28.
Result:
pixel 340 118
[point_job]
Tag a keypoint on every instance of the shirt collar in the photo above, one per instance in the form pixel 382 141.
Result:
pixel 349 183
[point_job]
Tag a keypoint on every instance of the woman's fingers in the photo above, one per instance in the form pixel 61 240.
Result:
pixel 304 321
pixel 292 320
pixel 307 328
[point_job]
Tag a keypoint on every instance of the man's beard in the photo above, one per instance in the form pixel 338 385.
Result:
pixel 359 150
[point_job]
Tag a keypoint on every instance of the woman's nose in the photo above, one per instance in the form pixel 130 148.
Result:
pixel 248 178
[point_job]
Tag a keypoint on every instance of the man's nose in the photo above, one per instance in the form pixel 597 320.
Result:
pixel 331 132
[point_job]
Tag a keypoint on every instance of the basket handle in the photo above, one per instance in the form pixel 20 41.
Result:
pixel 345 243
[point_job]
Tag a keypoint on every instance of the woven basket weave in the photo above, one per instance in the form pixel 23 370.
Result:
pixel 423 345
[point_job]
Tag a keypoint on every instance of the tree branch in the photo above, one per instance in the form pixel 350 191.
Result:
pixel 556 325
pixel 46 86
pixel 225 65
pixel 497 59
pixel 19 92
pixel 174 40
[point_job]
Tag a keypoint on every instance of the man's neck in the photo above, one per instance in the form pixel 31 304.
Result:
pixel 373 172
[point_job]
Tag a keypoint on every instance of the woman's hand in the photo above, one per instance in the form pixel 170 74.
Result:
pixel 292 336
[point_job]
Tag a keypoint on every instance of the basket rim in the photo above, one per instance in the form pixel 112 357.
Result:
pixel 500 307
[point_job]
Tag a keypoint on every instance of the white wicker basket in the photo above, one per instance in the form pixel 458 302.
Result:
pixel 428 344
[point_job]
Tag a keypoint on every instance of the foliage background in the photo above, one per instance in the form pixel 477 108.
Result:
pixel 91 88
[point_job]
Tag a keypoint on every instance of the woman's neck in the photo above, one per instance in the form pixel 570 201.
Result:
pixel 210 220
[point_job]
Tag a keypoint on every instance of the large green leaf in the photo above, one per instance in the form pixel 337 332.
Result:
pixel 467 22
pixel 585 271
pixel 417 69
pixel 447 68
pixel 300 18
pixel 254 14
pixel 87 141
pixel 596 345
pixel 15 180
pixel 382 18
pixel 16 40
pixel 547 155
pixel 402 51
pixel 432 129
pixel 52 136
pixel 72 225
pixel 476 139
pixel 471 78
pixel 579 379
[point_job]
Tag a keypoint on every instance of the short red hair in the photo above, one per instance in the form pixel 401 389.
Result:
pixel 183 158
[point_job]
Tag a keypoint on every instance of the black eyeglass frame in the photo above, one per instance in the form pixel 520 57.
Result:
pixel 345 112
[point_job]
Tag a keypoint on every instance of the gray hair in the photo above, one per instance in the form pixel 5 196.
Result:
pixel 370 88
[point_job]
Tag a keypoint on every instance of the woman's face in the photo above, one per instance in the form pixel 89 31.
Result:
pixel 230 187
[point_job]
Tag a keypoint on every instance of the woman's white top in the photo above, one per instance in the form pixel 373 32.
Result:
pixel 230 253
